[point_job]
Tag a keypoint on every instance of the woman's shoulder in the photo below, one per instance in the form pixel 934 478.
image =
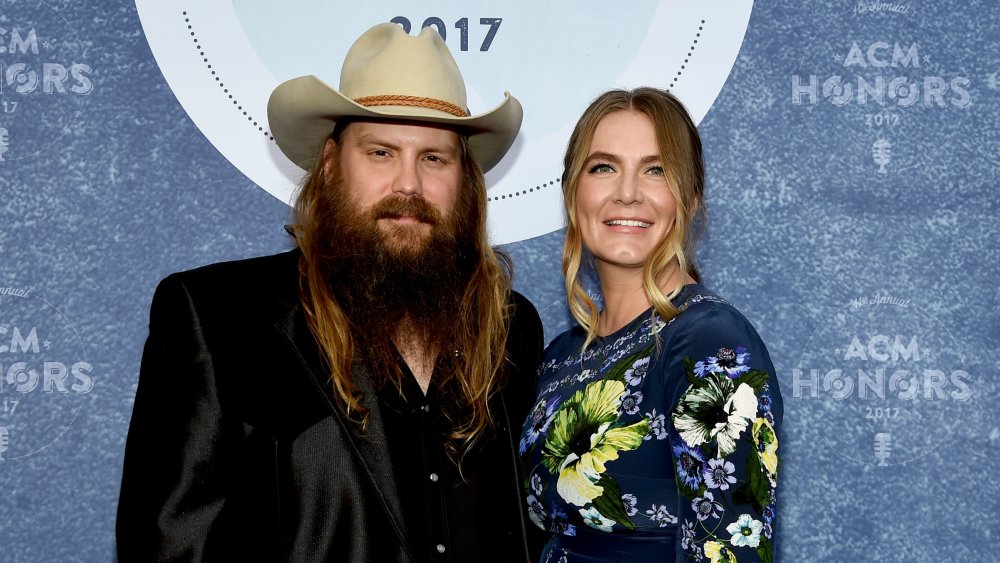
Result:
pixel 710 330
pixel 704 311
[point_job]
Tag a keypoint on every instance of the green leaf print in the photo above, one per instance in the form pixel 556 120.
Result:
pixel 760 487
pixel 754 378
pixel 764 550
pixel 610 504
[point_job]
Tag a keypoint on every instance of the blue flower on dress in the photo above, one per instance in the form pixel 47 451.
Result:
pixel 596 520
pixel 631 400
pixel 536 484
pixel 540 418
pixel 690 464
pixel 768 513
pixel 687 535
pixel 726 360
pixel 768 530
pixel 536 512
pixel 764 401
pixel 657 426
pixel 560 522
pixel 719 474
pixel 661 516
pixel 629 501
pixel 634 375
pixel 706 507
pixel 745 531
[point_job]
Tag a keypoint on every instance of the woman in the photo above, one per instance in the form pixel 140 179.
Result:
pixel 653 434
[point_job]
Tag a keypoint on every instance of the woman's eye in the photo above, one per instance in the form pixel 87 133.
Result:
pixel 655 171
pixel 601 169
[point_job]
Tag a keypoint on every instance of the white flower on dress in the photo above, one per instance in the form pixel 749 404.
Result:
pixel 596 520
pixel 745 531
pixel 715 411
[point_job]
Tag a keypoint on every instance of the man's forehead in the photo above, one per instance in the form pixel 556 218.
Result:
pixel 400 130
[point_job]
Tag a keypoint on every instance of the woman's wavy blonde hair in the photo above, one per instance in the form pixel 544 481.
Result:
pixel 680 153
pixel 482 324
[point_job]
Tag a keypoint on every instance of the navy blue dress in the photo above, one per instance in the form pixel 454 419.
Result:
pixel 658 442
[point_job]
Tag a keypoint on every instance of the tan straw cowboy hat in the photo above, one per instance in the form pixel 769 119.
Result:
pixel 389 74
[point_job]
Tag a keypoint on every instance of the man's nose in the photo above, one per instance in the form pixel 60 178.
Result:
pixel 407 180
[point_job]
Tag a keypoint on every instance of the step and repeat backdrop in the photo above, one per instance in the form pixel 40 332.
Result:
pixel 852 153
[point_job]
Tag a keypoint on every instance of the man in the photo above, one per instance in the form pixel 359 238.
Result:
pixel 357 399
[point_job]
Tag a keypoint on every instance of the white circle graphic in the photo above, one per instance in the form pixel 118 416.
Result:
pixel 223 59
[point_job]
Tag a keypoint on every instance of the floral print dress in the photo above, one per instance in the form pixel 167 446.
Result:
pixel 658 442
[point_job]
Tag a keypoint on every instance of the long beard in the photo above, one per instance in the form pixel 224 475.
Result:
pixel 398 277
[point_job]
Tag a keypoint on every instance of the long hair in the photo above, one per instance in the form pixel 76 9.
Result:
pixel 482 325
pixel 680 152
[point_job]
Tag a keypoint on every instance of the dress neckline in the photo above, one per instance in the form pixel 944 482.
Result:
pixel 686 291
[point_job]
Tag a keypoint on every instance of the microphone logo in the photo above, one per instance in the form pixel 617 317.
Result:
pixel 4 141
pixel 4 441
pixel 881 154
pixel 883 445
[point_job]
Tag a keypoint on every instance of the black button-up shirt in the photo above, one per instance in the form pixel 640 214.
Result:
pixel 451 516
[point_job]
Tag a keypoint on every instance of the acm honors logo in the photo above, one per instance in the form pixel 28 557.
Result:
pixel 44 374
pixel 882 88
pixel 882 377
pixel 42 85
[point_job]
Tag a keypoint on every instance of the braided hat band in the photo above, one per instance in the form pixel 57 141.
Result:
pixel 412 101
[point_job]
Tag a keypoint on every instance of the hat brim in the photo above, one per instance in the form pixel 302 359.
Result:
pixel 302 112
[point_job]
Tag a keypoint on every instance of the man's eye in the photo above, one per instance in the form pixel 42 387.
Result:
pixel 380 152
pixel 601 169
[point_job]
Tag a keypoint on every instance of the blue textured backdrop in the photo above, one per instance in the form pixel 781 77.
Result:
pixel 802 223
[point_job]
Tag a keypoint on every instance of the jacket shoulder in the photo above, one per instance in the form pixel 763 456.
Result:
pixel 237 288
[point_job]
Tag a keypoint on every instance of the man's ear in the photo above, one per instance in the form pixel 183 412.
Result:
pixel 329 150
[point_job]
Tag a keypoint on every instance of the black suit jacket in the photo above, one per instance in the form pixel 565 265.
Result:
pixel 237 450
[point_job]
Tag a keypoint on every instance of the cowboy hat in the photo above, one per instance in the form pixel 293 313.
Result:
pixel 389 74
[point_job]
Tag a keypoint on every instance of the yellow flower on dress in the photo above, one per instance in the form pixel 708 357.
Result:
pixel 717 553
pixel 582 439
pixel 767 447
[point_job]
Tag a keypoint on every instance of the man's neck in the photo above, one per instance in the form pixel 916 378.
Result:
pixel 412 344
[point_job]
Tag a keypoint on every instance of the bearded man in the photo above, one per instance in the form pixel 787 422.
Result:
pixel 357 399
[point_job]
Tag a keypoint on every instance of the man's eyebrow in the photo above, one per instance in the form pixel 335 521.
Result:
pixel 373 139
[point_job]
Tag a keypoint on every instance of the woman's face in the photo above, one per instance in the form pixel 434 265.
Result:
pixel 624 205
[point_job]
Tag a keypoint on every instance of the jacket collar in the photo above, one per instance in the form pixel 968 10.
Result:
pixel 369 447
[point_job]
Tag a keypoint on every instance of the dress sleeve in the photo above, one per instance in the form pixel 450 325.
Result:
pixel 172 481
pixel 725 412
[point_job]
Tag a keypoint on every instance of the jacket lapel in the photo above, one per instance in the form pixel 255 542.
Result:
pixel 369 446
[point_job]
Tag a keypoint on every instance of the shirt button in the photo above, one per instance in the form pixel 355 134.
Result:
pixel 426 408
pixel 434 477
pixel 440 548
